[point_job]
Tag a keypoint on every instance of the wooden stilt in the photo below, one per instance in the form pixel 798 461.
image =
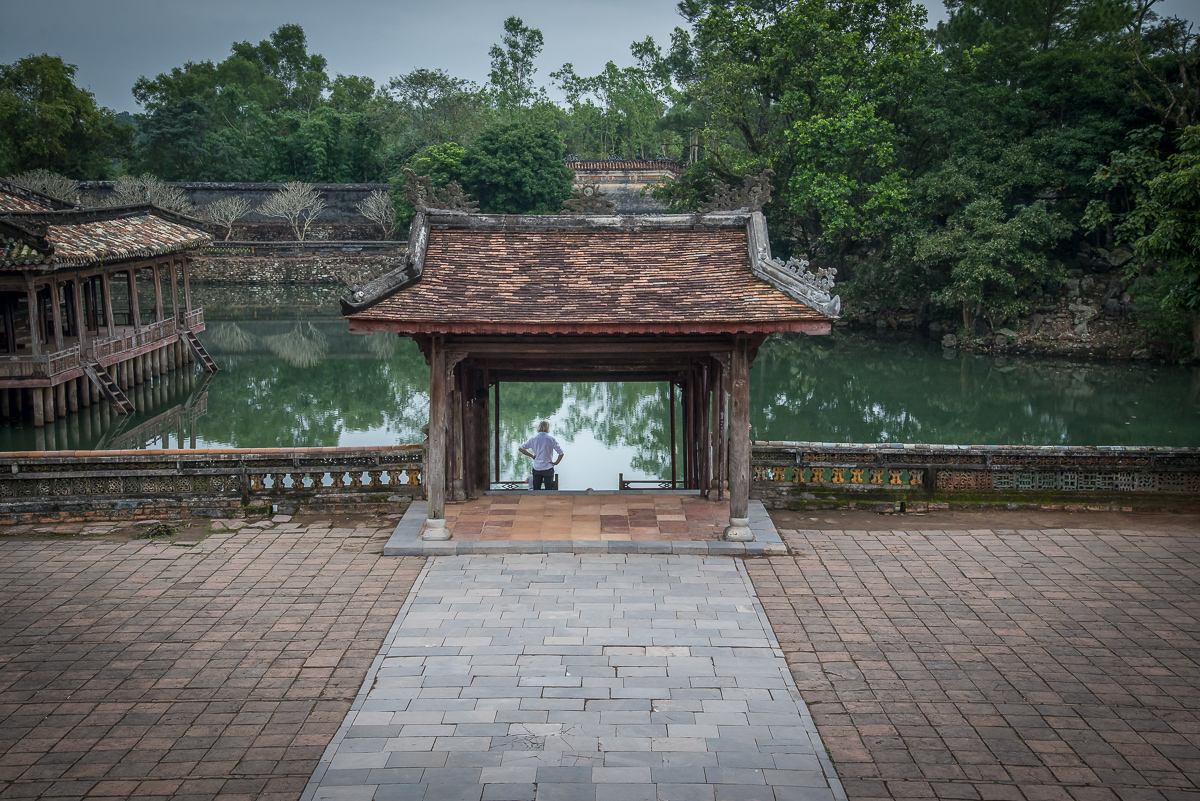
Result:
pixel 5 407
pixel 85 397
pixel 19 401
pixel 48 404
pixel 39 438
pixel 72 395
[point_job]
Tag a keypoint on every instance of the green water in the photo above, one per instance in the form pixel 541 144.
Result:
pixel 292 375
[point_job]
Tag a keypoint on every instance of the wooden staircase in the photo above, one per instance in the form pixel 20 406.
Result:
pixel 108 388
pixel 198 349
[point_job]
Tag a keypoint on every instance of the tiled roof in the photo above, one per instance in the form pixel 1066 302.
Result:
pixel 589 281
pixel 14 197
pixel 669 166
pixel 79 238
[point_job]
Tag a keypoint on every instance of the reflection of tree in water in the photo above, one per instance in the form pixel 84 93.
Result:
pixel 259 401
pixel 228 338
pixel 303 346
pixel 631 415
pixel 381 345
pixel 850 388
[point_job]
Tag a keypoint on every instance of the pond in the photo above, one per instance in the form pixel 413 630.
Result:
pixel 292 375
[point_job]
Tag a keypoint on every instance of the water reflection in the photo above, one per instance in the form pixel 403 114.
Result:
pixel 292 375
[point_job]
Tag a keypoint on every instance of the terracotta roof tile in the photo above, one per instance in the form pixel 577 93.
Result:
pixel 480 281
pixel 14 203
pixel 78 239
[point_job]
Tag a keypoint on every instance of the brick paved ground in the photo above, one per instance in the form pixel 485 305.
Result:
pixel 150 670
pixel 1038 664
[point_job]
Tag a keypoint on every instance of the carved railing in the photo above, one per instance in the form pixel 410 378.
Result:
pixel 267 474
pixel 45 366
pixel 511 486
pixel 986 470
pixel 193 319
pixel 647 483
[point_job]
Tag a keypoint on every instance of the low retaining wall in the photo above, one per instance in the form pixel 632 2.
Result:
pixel 822 475
pixel 227 482
pixel 352 263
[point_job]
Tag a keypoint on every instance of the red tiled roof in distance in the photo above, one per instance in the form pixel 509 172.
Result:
pixel 634 165
pixel 588 281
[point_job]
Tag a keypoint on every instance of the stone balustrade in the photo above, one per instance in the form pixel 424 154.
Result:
pixel 801 473
pixel 221 482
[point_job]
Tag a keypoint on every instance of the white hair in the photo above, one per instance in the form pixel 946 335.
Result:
pixel 544 427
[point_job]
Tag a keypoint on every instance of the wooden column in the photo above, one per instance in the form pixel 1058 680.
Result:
pixel 39 407
pixel 739 445
pixel 60 400
pixel 174 293
pixel 85 339
pixel 722 431
pixel 72 395
pixel 685 407
pixel 158 301
pixel 187 286
pixel 5 409
pixel 35 339
pixel 10 324
pixel 435 455
pixel 106 301
pixel 85 397
pixel 48 404
pixel 671 401
pixel 135 312
pixel 56 314
pixel 496 414
pixel 705 431
pixel 458 490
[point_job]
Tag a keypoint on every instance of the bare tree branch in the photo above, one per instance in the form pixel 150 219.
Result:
pixel 379 209
pixel 298 203
pixel 226 212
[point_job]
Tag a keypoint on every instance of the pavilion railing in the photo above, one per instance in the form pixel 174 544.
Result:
pixel 648 483
pixel 47 365
pixel 193 319
pixel 510 486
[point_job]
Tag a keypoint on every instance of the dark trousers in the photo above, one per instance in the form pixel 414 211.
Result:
pixel 543 479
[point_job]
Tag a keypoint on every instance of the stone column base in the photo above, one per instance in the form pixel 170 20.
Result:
pixel 435 530
pixel 738 530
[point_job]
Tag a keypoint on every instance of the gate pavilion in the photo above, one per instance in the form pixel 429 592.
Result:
pixel 685 299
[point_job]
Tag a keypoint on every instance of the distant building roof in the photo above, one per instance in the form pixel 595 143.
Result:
pixel 663 165
pixel 480 274
pixel 80 237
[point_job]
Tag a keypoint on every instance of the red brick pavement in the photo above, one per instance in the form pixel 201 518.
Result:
pixel 1043 664
pixel 150 670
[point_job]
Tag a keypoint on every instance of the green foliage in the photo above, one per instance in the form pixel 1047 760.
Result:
pixel 512 71
pixel 996 264
pixel 1162 320
pixel 514 168
pixel 47 122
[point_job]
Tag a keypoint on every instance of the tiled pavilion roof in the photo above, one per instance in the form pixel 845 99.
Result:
pixel 581 275
pixel 14 197
pixel 79 237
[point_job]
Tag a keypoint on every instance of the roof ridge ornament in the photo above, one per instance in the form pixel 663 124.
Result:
pixel 817 287
pixel 420 191
pixel 754 193
pixel 588 199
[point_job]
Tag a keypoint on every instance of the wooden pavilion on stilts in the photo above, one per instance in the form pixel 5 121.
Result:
pixel 684 299
pixel 92 303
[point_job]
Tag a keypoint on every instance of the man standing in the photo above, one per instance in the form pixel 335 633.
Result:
pixel 539 448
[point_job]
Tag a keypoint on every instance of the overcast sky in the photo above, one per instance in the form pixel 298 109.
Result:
pixel 113 42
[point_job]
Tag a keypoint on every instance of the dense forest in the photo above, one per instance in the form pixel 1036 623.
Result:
pixel 962 170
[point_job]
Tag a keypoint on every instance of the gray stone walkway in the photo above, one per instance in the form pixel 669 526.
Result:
pixel 558 677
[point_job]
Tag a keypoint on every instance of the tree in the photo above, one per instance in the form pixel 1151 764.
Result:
pixel 379 209
pixel 298 203
pixel 514 168
pixel 512 70
pixel 47 122
pixel 48 183
pixel 135 191
pixel 226 212
pixel 1173 235
pixel 998 263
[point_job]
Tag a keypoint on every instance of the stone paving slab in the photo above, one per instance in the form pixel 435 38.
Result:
pixel 406 540
pixel 1038 664
pixel 592 677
